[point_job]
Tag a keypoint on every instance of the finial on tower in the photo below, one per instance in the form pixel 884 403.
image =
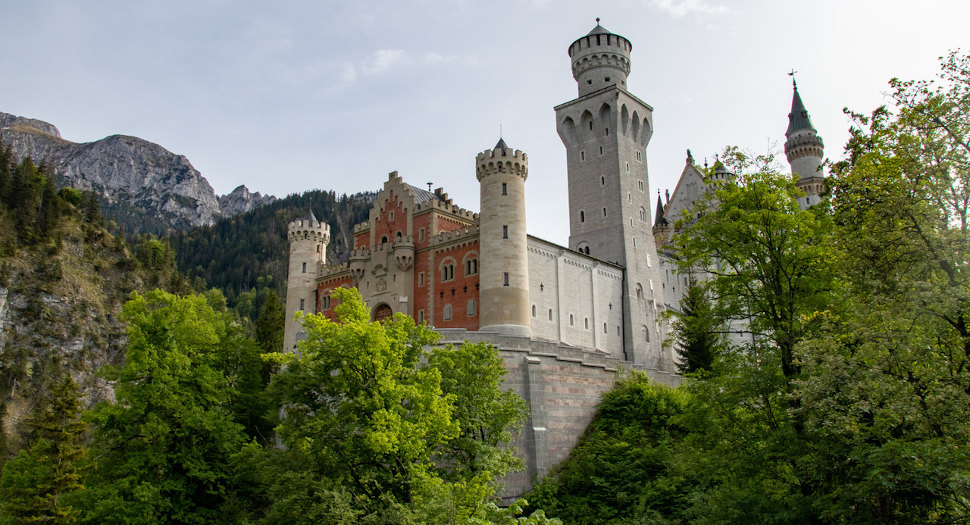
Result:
pixel 597 20
pixel 429 185
pixel 792 75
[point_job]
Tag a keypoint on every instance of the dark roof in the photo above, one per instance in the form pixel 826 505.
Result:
pixel 310 217
pixel 598 30
pixel 661 220
pixel 422 196
pixel 798 118
pixel 501 145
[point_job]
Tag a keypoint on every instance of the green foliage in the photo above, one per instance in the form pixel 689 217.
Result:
pixel 37 484
pixel 767 259
pixel 270 324
pixel 626 468
pixel 365 419
pixel 698 331
pixel 162 450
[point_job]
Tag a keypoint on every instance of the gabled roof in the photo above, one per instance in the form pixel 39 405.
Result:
pixel 421 196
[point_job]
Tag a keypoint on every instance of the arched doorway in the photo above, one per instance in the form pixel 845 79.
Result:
pixel 383 311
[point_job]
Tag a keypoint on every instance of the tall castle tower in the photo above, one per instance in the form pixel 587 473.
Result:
pixel 504 280
pixel 606 131
pixel 804 150
pixel 308 251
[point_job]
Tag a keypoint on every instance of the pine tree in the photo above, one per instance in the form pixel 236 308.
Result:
pixel 35 483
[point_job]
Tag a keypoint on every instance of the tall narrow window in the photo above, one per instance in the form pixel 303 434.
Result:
pixel 304 267
pixel 505 232
pixel 533 310
pixel 604 211
pixel 420 316
pixel 601 150
pixel 420 278
pixel 582 216
pixel 471 308
pixel 505 276
pixel 550 314
pixel 602 181
pixel 582 155
pixel 505 188
pixel 446 313
pixel 302 303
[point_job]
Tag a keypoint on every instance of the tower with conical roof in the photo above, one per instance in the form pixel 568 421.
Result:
pixel 606 130
pixel 504 279
pixel 804 149
pixel 308 251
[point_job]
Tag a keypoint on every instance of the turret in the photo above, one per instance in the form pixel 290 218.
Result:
pixel 804 149
pixel 600 59
pixel 504 278
pixel 308 251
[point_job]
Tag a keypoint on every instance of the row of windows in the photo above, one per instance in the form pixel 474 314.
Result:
pixel 572 321
pixel 643 215
pixel 582 153
pixel 471 310
pixel 448 271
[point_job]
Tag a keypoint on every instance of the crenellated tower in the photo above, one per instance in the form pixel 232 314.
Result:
pixel 804 149
pixel 504 280
pixel 606 131
pixel 308 252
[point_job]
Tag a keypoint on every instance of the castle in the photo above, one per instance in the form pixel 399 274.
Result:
pixel 564 319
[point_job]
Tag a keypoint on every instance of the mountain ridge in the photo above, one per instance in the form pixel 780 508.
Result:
pixel 143 186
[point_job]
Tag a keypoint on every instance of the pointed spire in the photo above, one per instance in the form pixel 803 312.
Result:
pixel 661 220
pixel 310 217
pixel 598 30
pixel 798 118
pixel 501 145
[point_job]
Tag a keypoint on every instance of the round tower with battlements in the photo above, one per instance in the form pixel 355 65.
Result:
pixel 308 251
pixel 504 279
pixel 804 150
pixel 600 59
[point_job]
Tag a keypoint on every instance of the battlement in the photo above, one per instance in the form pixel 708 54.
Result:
pixel 308 229
pixel 454 235
pixel 490 162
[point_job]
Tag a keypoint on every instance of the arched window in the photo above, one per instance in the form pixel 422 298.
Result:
pixel 605 329
pixel 586 323
pixel 446 313
pixel 383 240
pixel 447 271
pixel 550 314
pixel 646 333
pixel 304 267
pixel 643 214
pixel 471 266
pixel 639 291
pixel 533 310
pixel 570 319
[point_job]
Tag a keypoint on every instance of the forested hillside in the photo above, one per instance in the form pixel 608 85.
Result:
pixel 235 252
pixel 63 279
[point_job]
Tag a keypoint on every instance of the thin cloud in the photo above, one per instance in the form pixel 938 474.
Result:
pixel 382 60
pixel 679 8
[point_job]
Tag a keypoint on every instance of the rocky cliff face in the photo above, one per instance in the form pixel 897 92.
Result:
pixel 240 200
pixel 137 179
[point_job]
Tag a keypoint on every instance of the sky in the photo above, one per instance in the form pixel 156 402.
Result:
pixel 288 96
